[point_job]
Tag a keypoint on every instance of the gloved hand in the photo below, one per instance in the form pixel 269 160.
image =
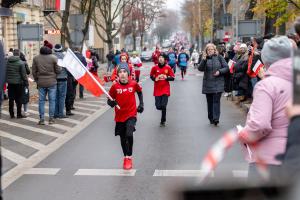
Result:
pixel 111 103
pixel 140 108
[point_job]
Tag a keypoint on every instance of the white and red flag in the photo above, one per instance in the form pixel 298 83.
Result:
pixel 60 4
pixel 90 82
pixel 231 66
pixel 258 65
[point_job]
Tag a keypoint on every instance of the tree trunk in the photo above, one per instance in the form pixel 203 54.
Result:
pixel 110 45
pixel 269 26
pixel 64 26
pixel 142 41
pixel 249 13
pixel 134 41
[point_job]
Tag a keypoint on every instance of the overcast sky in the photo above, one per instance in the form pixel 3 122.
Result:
pixel 174 4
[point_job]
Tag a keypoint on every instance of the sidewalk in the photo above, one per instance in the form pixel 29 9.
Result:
pixel 245 106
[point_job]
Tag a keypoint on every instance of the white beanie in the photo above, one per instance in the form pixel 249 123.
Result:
pixel 276 49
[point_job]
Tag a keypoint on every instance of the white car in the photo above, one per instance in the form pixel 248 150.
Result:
pixel 146 56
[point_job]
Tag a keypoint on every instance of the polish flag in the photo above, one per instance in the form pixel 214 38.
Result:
pixel 258 65
pixel 60 4
pixel 231 66
pixel 82 74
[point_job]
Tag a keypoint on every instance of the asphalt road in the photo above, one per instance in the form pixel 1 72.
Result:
pixel 89 166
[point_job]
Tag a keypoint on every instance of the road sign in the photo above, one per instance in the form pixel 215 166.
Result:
pixel 249 28
pixel 76 22
pixel 77 37
pixel 30 32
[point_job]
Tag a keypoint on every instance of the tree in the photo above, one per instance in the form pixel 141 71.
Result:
pixel 109 18
pixel 278 11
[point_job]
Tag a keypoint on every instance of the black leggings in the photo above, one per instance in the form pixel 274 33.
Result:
pixel 127 144
pixel 161 103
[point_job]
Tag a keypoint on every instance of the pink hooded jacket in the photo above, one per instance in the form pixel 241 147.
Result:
pixel 267 124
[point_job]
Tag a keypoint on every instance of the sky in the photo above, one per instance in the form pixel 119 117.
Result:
pixel 174 4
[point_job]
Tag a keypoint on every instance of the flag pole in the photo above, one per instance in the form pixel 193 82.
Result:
pixel 91 75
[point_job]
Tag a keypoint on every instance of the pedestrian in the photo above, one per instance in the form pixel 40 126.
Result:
pixel 155 55
pixel 161 74
pixel 61 79
pixel 291 158
pixel 214 68
pixel 110 58
pixel 94 64
pixel 16 78
pixel 83 61
pixel 137 64
pixel 195 58
pixel 117 59
pixel 183 59
pixel 265 131
pixel 26 94
pixel 297 29
pixel 123 93
pixel 172 59
pixel 71 94
pixel 45 71
pixel 2 78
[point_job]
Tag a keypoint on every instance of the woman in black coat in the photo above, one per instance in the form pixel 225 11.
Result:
pixel 214 67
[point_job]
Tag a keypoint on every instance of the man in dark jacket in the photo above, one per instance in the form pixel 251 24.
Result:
pixel 2 73
pixel 61 91
pixel 110 57
pixel 83 61
pixel 45 71
pixel 16 77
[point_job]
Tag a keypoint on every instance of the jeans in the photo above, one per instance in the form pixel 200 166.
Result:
pixel 214 106
pixel 110 66
pixel 60 98
pixel 51 98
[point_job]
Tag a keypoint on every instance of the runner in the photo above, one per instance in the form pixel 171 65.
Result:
pixel 161 74
pixel 123 94
pixel 172 59
pixel 183 59
pixel 137 63
pixel 124 59
pixel 155 56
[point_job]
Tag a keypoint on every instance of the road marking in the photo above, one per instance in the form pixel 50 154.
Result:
pixel 59 126
pixel 75 112
pixel 240 173
pixel 31 128
pixel 16 172
pixel 16 158
pixel 21 140
pixel 180 173
pixel 92 104
pixel 105 172
pixel 73 121
pixel 42 171
pixel 96 102
pixel 79 106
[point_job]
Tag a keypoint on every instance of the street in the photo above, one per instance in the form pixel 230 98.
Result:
pixel 85 158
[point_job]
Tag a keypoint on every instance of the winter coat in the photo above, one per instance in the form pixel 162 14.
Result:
pixel 240 77
pixel 95 65
pixel 211 83
pixel 267 122
pixel 63 75
pixel 110 56
pixel 291 159
pixel 81 58
pixel 45 68
pixel 16 72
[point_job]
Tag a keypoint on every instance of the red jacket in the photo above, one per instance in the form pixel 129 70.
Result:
pixel 155 56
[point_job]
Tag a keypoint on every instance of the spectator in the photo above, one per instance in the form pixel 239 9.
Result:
pixel 266 125
pixel 117 59
pixel 26 95
pixel 195 58
pixel 297 29
pixel 95 65
pixel 61 91
pixel 16 77
pixel 214 67
pixel 83 61
pixel 45 71
pixel 2 75
pixel 110 58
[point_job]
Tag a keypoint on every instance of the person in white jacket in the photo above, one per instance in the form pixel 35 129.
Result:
pixel 137 64
pixel 195 58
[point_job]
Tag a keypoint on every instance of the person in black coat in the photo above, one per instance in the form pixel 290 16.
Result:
pixel 291 159
pixel 214 67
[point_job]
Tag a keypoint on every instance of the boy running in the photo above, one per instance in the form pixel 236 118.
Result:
pixel 137 64
pixel 183 59
pixel 172 59
pixel 161 74
pixel 123 93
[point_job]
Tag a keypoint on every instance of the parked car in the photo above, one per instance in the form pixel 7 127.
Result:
pixel 146 56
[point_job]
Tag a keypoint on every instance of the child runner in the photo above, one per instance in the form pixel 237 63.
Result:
pixel 137 63
pixel 183 59
pixel 123 93
pixel 161 74
pixel 172 59
pixel 123 59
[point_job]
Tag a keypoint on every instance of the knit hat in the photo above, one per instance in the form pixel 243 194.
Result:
pixel 48 44
pixel 124 54
pixel 276 49
pixel 123 66
pixel 58 48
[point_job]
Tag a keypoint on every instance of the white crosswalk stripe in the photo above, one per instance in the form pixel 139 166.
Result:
pixel 87 103
pixel 31 128
pixel 240 173
pixel 16 158
pixel 74 121
pixel 42 171
pixel 73 111
pixel 21 140
pixel 180 173
pixel 105 172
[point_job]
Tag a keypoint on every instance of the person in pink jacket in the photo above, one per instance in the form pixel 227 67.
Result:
pixel 265 132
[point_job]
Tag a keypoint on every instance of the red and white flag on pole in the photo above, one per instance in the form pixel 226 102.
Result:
pixel 231 66
pixel 258 65
pixel 82 74
pixel 60 4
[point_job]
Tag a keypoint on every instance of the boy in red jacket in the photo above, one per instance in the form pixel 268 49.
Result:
pixel 123 93
pixel 123 59
pixel 161 74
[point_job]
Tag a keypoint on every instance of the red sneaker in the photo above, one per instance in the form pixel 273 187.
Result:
pixel 129 164
pixel 125 161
